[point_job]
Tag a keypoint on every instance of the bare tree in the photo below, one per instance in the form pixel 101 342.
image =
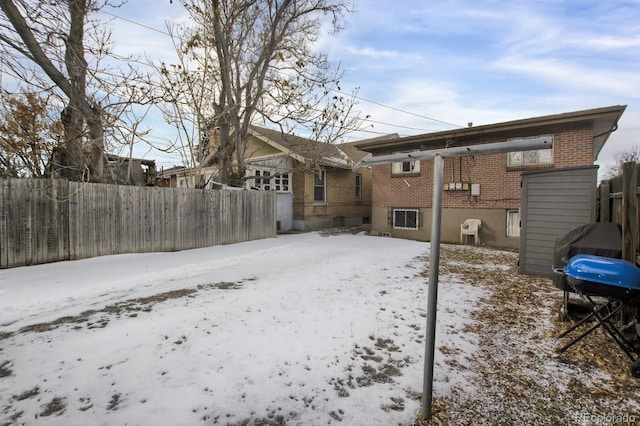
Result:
pixel 80 110
pixel 621 157
pixel 28 134
pixel 45 41
pixel 187 90
pixel 244 62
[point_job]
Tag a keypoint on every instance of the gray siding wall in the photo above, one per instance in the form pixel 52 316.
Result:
pixel 553 202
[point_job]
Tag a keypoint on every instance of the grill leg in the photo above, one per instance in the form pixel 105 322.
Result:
pixel 585 319
pixel 614 332
pixel 601 322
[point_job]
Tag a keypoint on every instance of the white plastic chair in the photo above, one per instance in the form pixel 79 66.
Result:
pixel 471 227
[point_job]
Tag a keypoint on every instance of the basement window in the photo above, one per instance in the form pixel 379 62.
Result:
pixel 405 218
pixel 513 223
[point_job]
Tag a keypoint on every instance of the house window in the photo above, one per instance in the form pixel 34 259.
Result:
pixel 281 182
pixel 263 180
pixel 358 186
pixel 319 187
pixel 409 166
pixel 267 181
pixel 405 218
pixel 513 223
pixel 531 158
pixel 405 167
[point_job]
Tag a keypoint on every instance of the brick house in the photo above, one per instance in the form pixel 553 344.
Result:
pixel 323 190
pixel 316 185
pixel 486 187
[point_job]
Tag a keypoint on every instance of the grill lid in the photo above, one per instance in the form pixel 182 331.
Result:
pixel 604 270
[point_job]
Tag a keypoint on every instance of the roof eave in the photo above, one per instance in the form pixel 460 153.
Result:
pixel 604 122
pixel 277 146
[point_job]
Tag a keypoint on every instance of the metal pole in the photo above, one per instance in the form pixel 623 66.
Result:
pixel 438 156
pixel 459 151
pixel 432 302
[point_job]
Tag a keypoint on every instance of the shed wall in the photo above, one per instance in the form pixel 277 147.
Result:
pixel 553 202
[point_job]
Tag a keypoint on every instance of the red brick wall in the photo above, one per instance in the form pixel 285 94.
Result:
pixel 405 191
pixel 499 188
pixel 499 185
pixel 574 148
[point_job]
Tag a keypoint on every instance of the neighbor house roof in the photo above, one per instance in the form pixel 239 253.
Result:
pixel 604 122
pixel 303 149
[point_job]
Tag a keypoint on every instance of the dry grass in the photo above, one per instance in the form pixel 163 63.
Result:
pixel 5 369
pixel 100 318
pixel 55 406
pixel 519 376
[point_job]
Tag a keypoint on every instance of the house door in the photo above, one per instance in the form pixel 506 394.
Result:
pixel 284 211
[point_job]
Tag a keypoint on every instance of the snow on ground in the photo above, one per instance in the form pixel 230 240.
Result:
pixel 299 329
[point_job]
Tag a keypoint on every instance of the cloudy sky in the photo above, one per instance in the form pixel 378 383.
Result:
pixel 422 66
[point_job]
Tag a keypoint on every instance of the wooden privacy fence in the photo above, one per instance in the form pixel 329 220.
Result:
pixel 618 203
pixel 51 220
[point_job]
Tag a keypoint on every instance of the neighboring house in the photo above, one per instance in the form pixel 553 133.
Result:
pixel 129 171
pixel 316 185
pixel 184 177
pixel 117 170
pixel 485 187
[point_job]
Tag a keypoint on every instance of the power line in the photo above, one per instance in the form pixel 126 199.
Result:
pixel 397 125
pixel 362 130
pixel 135 23
pixel 338 91
pixel 400 110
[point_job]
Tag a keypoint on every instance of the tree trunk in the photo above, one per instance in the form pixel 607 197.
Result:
pixel 92 158
pixel 70 165
pixel 79 113
pixel 96 134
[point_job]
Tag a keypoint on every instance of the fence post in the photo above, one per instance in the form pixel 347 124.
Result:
pixel 605 202
pixel 629 212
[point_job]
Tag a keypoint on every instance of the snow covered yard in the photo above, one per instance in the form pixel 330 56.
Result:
pixel 304 329
pixel 301 329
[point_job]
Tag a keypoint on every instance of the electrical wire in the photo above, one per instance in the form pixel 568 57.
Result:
pixel 135 23
pixel 401 110
pixel 337 91
pixel 363 130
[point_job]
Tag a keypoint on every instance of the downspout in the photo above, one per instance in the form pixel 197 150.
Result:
pixel 608 132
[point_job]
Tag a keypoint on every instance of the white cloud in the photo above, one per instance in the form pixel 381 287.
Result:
pixel 606 42
pixel 373 53
pixel 574 75
pixel 138 33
